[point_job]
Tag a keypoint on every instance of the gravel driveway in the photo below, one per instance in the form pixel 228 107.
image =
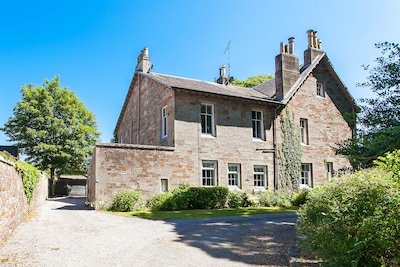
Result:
pixel 65 233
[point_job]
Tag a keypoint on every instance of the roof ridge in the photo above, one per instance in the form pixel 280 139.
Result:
pixel 302 78
pixel 197 80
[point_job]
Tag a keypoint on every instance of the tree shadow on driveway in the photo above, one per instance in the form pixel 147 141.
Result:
pixel 71 203
pixel 256 240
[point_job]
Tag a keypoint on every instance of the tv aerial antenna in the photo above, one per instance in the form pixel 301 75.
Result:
pixel 228 49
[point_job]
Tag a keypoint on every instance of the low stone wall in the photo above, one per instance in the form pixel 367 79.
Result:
pixel 116 167
pixel 13 202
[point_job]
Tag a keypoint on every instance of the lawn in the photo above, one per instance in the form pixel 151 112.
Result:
pixel 187 214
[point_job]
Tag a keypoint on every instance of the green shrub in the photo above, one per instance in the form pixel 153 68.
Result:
pixel 126 200
pixel 353 221
pixel 234 200
pixel 300 197
pixel 246 200
pixel 207 197
pixel 185 197
pixel 390 162
pixel 274 199
pixel 30 178
pixel 160 202
pixel 180 198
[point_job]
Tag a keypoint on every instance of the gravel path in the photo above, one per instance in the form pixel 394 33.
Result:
pixel 65 233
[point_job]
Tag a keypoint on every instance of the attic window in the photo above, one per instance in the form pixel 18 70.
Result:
pixel 320 89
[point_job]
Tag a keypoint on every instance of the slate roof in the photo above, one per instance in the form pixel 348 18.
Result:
pixel 269 89
pixel 265 92
pixel 175 82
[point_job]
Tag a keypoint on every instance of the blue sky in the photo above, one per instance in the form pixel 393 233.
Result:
pixel 93 45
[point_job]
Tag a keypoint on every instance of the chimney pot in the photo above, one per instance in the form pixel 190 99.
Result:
pixel 291 45
pixel 281 48
pixel 143 61
pixel 314 47
pixel 222 71
pixel 310 34
pixel 223 79
pixel 286 69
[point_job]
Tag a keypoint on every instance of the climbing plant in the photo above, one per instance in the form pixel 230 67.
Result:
pixel 30 177
pixel 290 154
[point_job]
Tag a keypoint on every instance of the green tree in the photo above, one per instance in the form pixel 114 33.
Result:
pixel 53 129
pixel 252 81
pixel 379 121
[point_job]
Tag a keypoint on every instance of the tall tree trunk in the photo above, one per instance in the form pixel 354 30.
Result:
pixel 52 183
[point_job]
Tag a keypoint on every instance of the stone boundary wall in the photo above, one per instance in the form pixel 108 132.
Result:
pixel 13 203
pixel 116 167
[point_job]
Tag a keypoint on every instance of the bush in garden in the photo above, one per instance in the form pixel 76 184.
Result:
pixel 185 197
pixel 353 221
pixel 390 162
pixel 274 199
pixel 180 198
pixel 126 200
pixel 246 200
pixel 160 202
pixel 300 197
pixel 207 197
pixel 234 200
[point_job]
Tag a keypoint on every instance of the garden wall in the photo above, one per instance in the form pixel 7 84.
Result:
pixel 13 202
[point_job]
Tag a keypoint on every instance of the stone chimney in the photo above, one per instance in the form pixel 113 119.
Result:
pixel 223 78
pixel 286 69
pixel 143 61
pixel 313 49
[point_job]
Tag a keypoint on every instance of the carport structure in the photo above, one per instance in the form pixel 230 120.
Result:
pixel 74 185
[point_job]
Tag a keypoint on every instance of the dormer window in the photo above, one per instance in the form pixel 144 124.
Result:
pixel 320 89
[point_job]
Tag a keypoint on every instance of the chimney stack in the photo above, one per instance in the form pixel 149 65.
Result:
pixel 314 47
pixel 223 78
pixel 286 69
pixel 143 61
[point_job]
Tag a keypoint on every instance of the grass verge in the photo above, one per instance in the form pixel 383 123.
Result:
pixel 188 214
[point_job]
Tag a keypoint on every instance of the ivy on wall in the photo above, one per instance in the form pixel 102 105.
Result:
pixel 290 154
pixel 30 174
pixel 30 178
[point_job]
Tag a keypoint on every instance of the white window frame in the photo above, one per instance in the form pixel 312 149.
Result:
pixel 320 89
pixel 260 176
pixel 234 175
pixel 208 173
pixel 329 171
pixel 163 185
pixel 257 124
pixel 304 131
pixel 164 122
pixel 306 175
pixel 207 119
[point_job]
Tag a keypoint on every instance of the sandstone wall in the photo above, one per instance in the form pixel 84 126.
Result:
pixel 13 203
pixel 233 141
pixel 141 114
pixel 117 167
pixel 326 125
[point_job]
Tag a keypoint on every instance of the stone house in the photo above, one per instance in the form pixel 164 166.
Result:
pixel 174 130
